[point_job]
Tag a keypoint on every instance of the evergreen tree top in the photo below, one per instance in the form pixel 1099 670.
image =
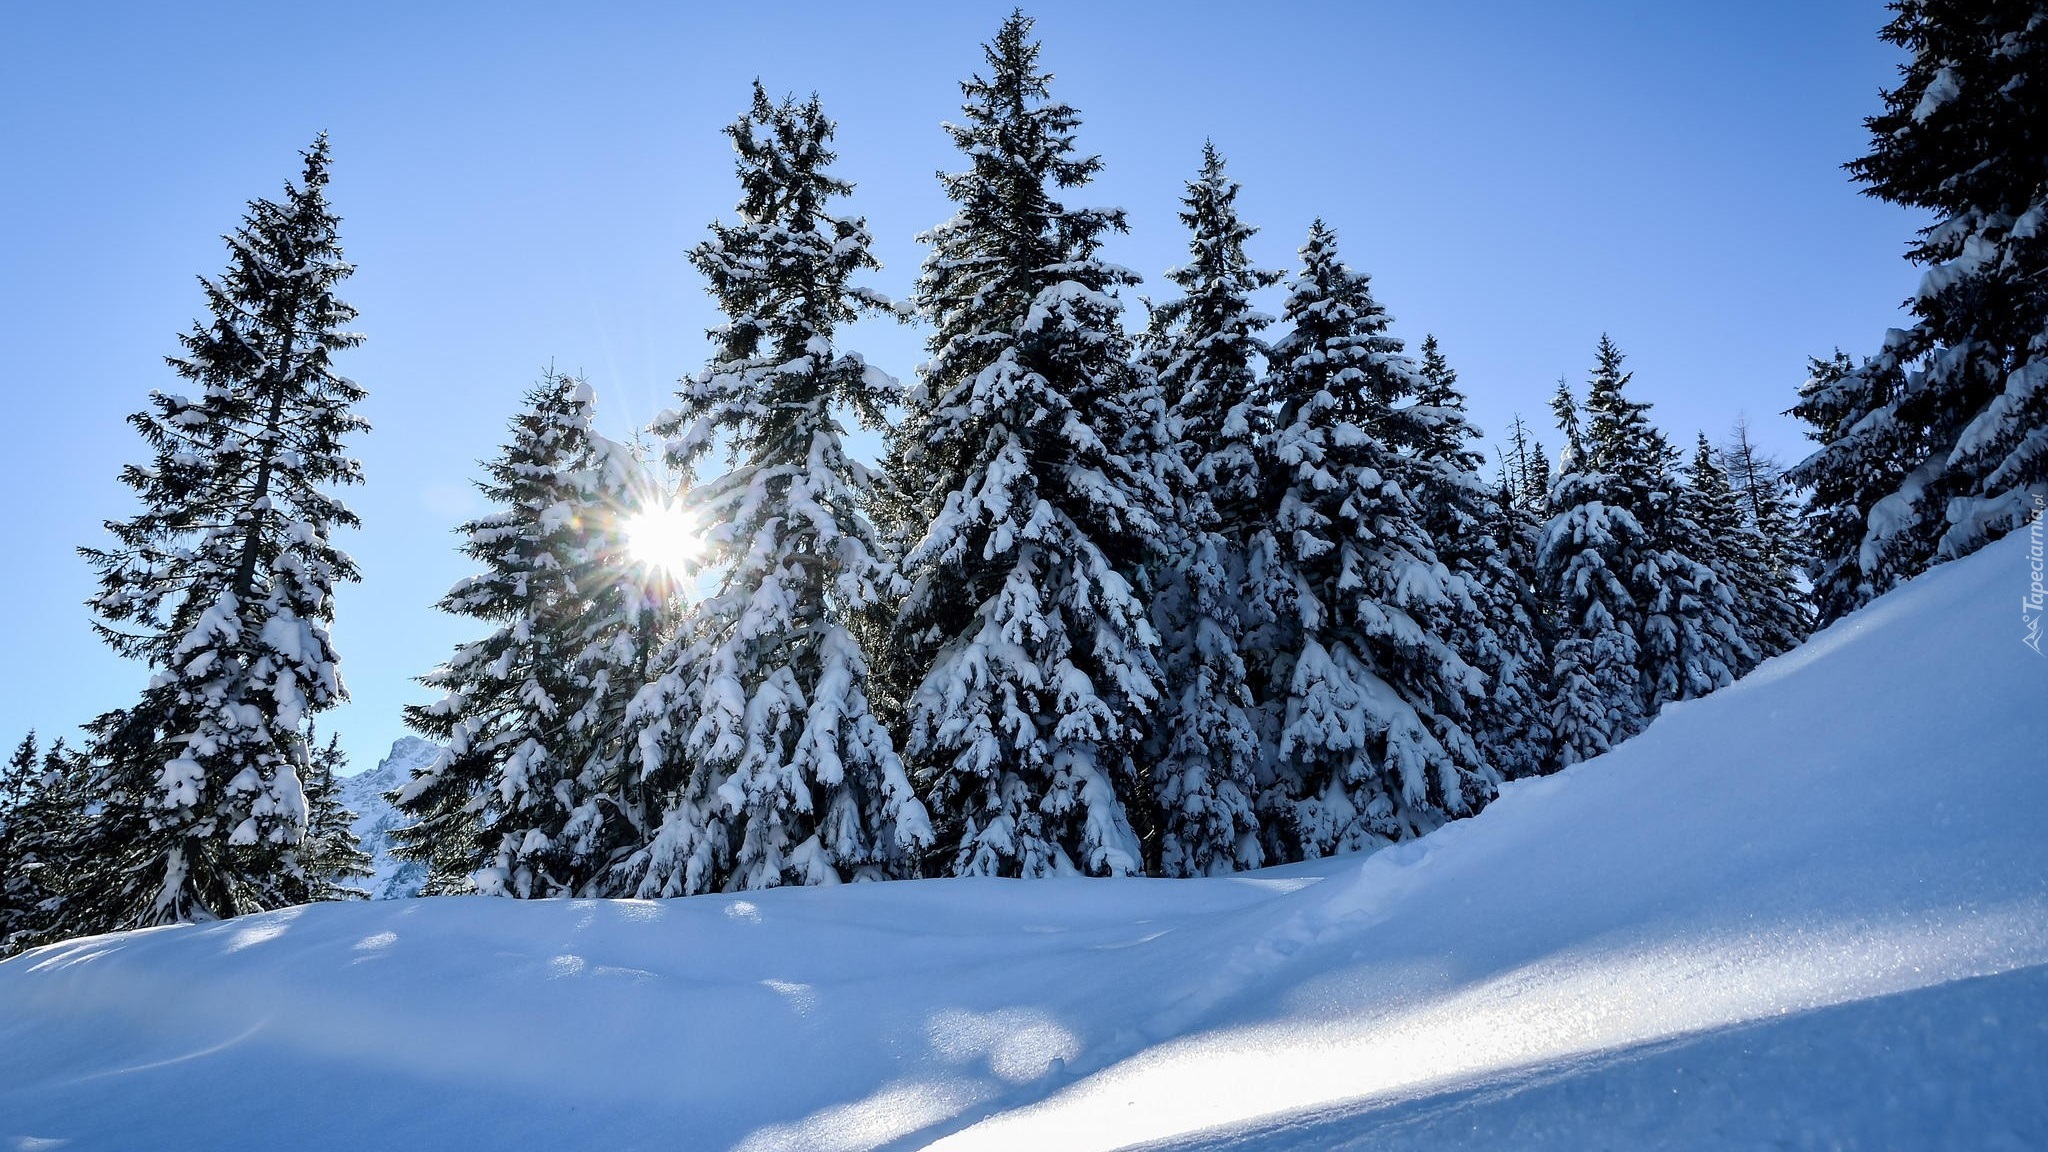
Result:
pixel 1619 439
pixel 1953 136
pixel 782 277
pixel 1010 238
pixel 1339 340
pixel 1565 407
pixel 1439 413
pixel 1218 276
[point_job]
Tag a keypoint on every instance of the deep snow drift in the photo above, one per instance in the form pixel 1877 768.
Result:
pixel 1811 911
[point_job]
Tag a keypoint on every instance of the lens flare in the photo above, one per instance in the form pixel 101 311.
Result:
pixel 664 538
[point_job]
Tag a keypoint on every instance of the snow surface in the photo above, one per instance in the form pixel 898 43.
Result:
pixel 1810 911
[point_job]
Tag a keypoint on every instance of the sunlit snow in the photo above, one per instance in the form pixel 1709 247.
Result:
pixel 1808 911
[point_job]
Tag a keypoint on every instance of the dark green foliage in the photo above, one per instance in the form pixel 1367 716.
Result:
pixel 223 584
pixel 1939 442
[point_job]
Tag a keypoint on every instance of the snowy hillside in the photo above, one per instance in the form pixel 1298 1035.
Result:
pixel 1810 911
pixel 363 794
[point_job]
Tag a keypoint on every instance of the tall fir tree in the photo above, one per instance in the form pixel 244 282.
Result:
pixel 1493 627
pixel 1758 541
pixel 1024 629
pixel 1624 567
pixel 1859 460
pixel 1586 559
pixel 1765 496
pixel 23 847
pixel 1939 442
pixel 1370 699
pixel 224 585
pixel 331 854
pixel 1206 349
pixel 1691 641
pixel 500 810
pixel 788 775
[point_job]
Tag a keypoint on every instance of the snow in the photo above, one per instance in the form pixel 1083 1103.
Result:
pixel 1810 910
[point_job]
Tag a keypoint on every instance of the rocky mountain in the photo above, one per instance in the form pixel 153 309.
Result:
pixel 363 794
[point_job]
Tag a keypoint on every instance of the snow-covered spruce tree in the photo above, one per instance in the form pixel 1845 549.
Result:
pixel 1205 350
pixel 494 812
pixel 1033 654
pixel 224 585
pixel 23 843
pixel 1864 456
pixel 787 775
pixel 1762 492
pixel 1940 441
pixel 1497 632
pixel 1371 700
pixel 1623 569
pixel 633 608
pixel 1770 605
pixel 42 802
pixel 330 853
pixel 1691 641
pixel 1590 550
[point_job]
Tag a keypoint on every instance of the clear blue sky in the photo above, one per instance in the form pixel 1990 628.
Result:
pixel 518 184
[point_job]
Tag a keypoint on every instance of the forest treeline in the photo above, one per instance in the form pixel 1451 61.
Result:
pixel 1179 594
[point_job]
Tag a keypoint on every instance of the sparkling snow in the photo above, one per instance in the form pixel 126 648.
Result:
pixel 1808 911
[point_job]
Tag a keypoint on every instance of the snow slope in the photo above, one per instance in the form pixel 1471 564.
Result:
pixel 363 794
pixel 1810 911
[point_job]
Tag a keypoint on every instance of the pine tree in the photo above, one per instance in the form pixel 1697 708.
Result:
pixel 1206 350
pixel 1492 625
pixel 1371 699
pixel 42 803
pixel 1940 441
pixel 1770 603
pixel 1860 460
pixel 1623 567
pixel 1587 556
pixel 1691 643
pixel 495 812
pixel 1024 627
pixel 331 854
pixel 1764 494
pixel 21 886
pixel 791 777
pixel 224 585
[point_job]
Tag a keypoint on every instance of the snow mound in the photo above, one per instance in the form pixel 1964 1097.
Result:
pixel 1809 911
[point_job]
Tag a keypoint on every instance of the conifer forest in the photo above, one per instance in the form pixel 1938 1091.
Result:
pixel 1167 586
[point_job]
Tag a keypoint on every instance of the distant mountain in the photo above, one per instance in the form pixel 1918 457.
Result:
pixel 376 819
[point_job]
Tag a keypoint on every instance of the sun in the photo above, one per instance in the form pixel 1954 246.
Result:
pixel 664 538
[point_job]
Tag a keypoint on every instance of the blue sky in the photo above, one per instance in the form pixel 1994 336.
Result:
pixel 518 184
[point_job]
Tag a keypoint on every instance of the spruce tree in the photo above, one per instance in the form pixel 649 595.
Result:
pixel 1860 459
pixel 791 777
pixel 1939 442
pixel 1691 641
pixel 223 584
pixel 1024 628
pixel 331 855
pixel 22 840
pixel 495 811
pixel 1624 570
pixel 1759 542
pixel 1588 554
pixel 1491 624
pixel 1206 349
pixel 1371 701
